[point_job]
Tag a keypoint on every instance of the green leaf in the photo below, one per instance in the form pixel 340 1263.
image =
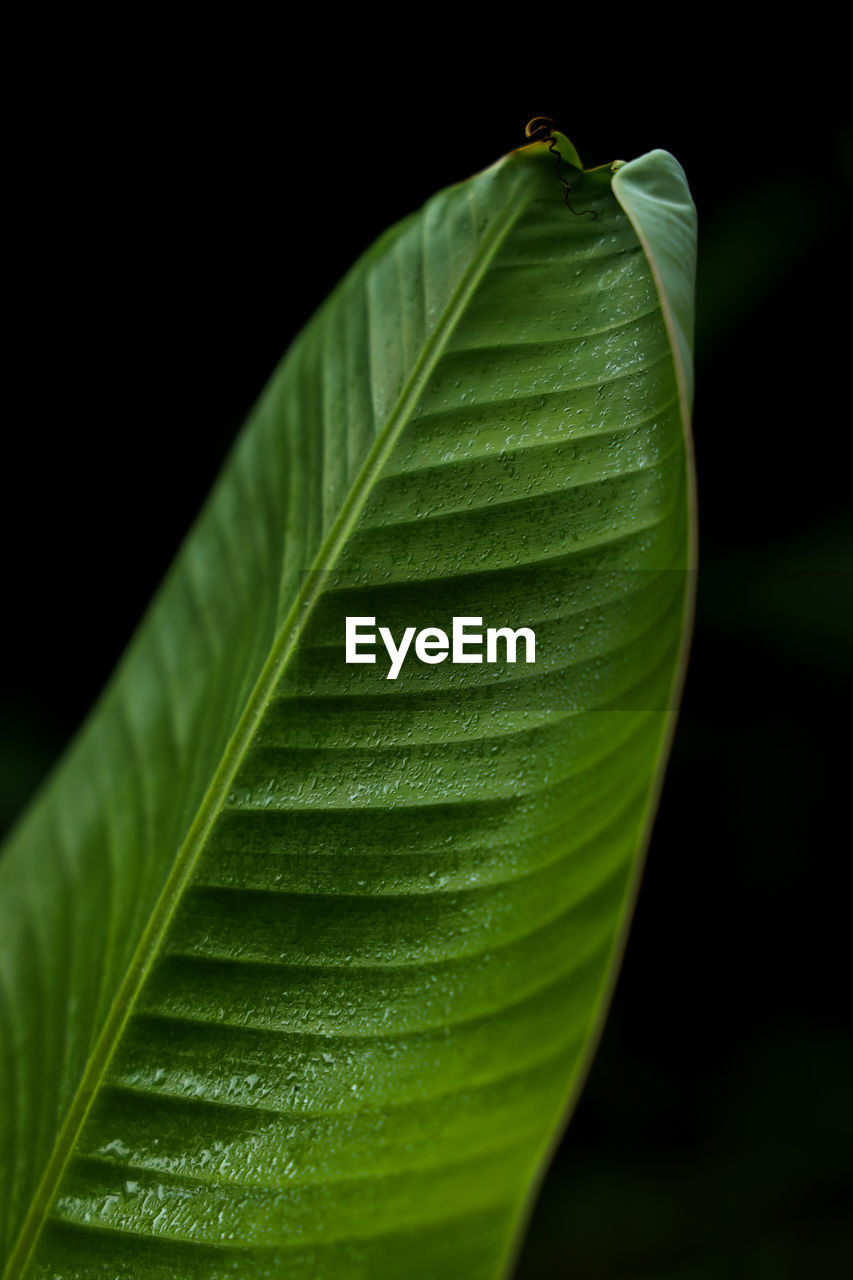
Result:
pixel 302 966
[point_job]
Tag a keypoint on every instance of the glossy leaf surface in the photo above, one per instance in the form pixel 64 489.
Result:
pixel 302 966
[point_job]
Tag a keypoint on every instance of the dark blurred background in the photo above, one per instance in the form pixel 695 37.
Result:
pixel 178 212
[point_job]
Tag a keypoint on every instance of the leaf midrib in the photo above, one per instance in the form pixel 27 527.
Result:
pixel 211 805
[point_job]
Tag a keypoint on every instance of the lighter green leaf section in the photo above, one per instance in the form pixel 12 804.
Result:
pixel 567 150
pixel 653 192
pixel 301 967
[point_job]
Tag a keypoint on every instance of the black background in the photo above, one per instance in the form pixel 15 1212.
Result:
pixel 178 213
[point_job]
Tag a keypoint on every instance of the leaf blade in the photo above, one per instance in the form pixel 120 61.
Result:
pixel 375 535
